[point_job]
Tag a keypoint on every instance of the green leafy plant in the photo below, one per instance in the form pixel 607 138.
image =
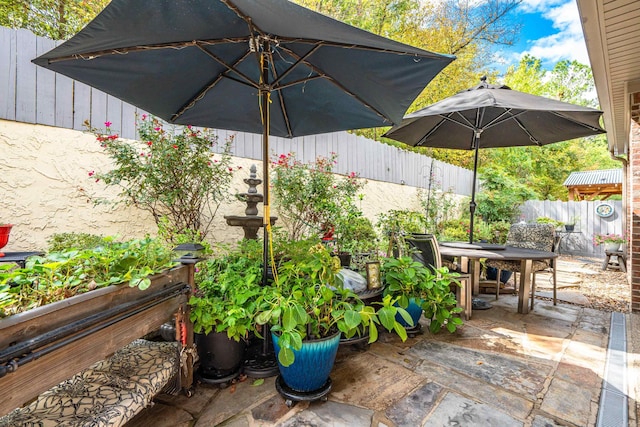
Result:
pixel 458 230
pixel 408 279
pixel 395 223
pixel 355 234
pixel 573 220
pixel 501 196
pixel 499 232
pixel 547 220
pixel 438 205
pixel 228 291
pixel 67 241
pixel 310 198
pixel 308 302
pixel 171 174
pixel 60 275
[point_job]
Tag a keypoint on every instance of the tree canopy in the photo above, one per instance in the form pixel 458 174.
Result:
pixel 56 19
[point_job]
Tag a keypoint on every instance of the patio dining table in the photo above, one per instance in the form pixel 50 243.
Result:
pixel 475 252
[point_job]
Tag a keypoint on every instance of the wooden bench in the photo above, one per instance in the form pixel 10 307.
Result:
pixel 108 393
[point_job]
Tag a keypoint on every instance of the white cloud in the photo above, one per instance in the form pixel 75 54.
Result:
pixel 568 42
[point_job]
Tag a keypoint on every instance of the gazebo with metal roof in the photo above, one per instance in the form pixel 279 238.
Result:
pixel 592 185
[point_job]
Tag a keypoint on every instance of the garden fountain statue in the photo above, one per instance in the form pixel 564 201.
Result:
pixel 250 222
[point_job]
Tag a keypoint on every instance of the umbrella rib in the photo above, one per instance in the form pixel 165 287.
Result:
pixel 498 120
pixel 434 129
pixel 230 67
pixel 577 122
pixel 283 107
pixel 336 83
pixel 157 46
pixel 244 39
pixel 299 61
pixel 189 104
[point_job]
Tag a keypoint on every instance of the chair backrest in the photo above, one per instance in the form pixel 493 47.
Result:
pixel 426 250
pixel 532 236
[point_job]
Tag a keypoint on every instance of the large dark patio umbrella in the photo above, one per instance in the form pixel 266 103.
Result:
pixel 494 116
pixel 269 67
pixel 261 66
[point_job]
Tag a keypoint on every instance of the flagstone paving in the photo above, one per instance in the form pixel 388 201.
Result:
pixel 501 368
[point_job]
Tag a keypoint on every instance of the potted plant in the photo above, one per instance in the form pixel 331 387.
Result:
pixel 228 288
pixel 570 224
pixel 355 235
pixel 420 289
pixel 611 242
pixel 308 310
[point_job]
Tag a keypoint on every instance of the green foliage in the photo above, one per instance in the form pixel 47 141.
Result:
pixel 228 291
pixel 395 223
pixel 171 175
pixel 311 199
pixel 547 220
pixel 437 205
pixel 501 196
pixel 309 302
pixel 66 241
pixel 355 234
pixel 60 275
pixel 499 231
pixel 56 19
pixel 407 279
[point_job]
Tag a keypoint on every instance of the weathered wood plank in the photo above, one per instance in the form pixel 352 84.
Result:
pixel 81 105
pixel 7 73
pixel 98 108
pixel 64 102
pixel 45 87
pixel 25 77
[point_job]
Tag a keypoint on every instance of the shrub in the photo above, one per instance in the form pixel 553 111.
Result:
pixel 173 175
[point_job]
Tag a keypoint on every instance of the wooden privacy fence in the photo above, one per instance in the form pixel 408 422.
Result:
pixel 33 94
pixel 588 223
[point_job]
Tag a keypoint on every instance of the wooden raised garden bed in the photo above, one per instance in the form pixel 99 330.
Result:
pixel 49 344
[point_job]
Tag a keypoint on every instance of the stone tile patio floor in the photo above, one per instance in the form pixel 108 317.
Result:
pixel 501 368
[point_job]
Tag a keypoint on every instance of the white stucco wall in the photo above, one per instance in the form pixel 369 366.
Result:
pixel 44 184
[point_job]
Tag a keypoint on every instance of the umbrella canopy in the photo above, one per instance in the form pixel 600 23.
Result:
pixel 487 116
pixel 259 66
pixel 204 62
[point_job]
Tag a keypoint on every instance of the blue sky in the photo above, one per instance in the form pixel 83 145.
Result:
pixel 551 31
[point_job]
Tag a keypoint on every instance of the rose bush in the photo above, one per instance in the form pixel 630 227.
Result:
pixel 173 174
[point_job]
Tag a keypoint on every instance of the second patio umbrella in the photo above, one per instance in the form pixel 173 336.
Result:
pixel 494 116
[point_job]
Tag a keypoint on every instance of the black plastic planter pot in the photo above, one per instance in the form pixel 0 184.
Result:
pixel 220 357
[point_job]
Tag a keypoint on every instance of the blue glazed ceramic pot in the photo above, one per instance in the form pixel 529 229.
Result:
pixel 312 365
pixel 414 310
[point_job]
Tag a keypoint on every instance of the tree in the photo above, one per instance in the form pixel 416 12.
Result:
pixel 463 28
pixel 56 19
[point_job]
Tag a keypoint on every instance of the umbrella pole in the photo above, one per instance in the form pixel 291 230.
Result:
pixel 472 203
pixel 264 364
